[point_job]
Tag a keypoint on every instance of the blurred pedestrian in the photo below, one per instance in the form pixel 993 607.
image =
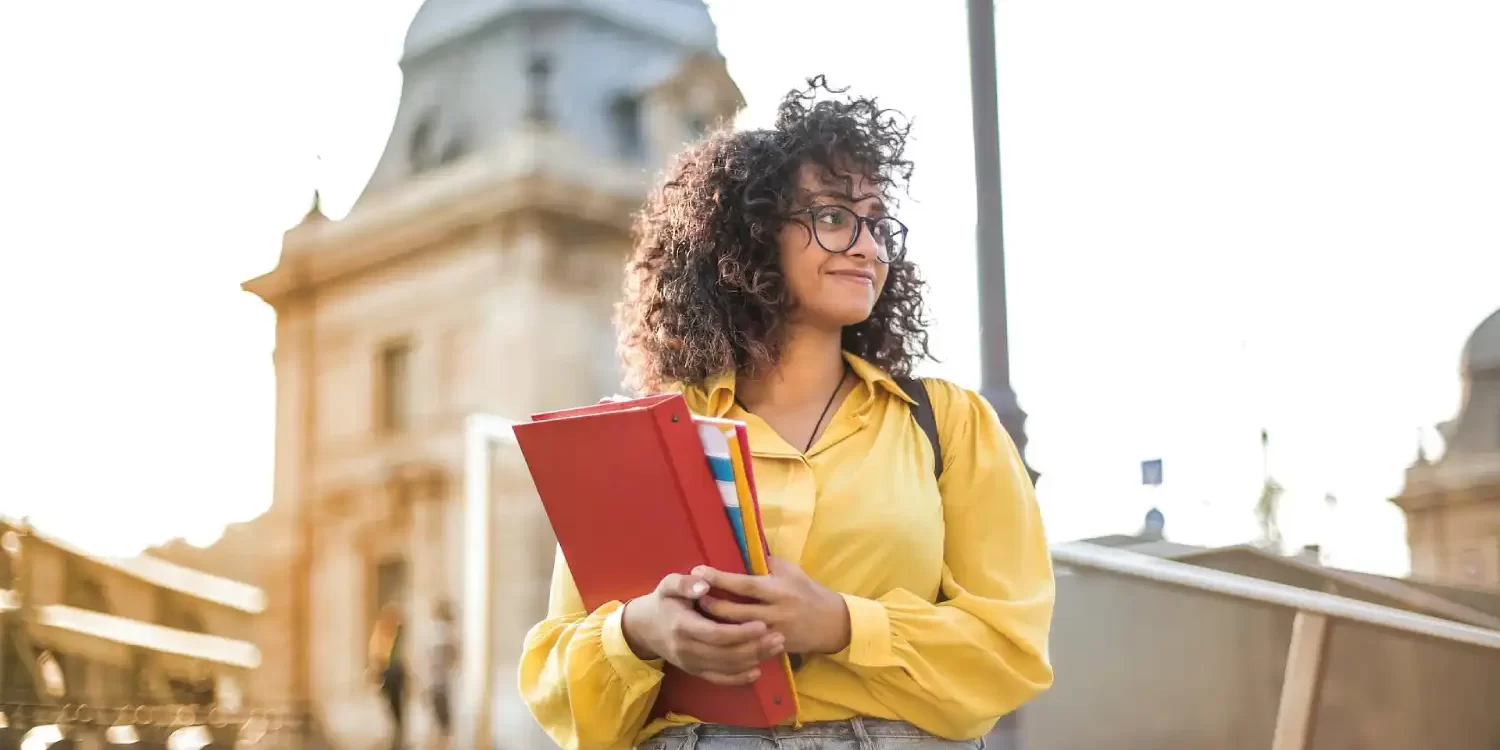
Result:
pixel 389 669
pixel 444 660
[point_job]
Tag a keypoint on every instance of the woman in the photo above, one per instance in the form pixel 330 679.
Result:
pixel 388 668
pixel 769 284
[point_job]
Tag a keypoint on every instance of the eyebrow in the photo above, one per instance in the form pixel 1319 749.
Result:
pixel 843 195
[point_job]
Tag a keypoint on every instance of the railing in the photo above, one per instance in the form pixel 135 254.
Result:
pixel 1310 628
pixel 149 636
pixel 45 725
pixel 156 572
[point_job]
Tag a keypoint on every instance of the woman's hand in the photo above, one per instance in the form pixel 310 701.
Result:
pixel 813 618
pixel 665 624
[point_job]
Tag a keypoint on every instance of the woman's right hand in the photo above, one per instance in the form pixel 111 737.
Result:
pixel 665 624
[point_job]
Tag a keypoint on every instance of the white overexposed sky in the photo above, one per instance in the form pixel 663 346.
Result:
pixel 1220 216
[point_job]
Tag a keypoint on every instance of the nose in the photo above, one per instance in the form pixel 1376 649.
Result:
pixel 864 243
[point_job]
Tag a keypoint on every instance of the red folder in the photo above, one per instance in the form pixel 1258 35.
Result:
pixel 631 499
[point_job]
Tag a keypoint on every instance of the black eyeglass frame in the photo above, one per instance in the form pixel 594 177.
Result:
pixel 860 222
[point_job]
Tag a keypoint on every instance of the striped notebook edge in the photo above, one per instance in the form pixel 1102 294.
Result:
pixel 717 449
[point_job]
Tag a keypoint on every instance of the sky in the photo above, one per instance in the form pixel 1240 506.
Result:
pixel 1219 218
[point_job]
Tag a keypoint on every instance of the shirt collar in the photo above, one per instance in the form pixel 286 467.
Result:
pixel 716 396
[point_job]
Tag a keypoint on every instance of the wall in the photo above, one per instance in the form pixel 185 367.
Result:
pixel 1458 541
pixel 1160 668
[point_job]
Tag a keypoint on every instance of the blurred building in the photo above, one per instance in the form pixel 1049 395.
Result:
pixel 476 274
pixel 1452 504
pixel 80 629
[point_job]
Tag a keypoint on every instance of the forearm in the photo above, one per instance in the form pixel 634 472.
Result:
pixel 583 683
pixel 952 668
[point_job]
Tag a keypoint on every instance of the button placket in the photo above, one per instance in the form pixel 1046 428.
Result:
pixel 797 512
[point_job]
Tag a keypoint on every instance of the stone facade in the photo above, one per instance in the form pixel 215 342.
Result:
pixel 1453 504
pixel 481 283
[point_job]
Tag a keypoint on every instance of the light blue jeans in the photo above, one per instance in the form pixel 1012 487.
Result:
pixel 854 734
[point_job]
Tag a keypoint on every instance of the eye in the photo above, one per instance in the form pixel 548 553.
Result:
pixel 832 216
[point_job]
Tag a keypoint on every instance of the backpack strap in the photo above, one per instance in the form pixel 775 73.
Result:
pixel 916 390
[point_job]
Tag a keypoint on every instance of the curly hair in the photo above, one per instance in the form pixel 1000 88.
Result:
pixel 704 290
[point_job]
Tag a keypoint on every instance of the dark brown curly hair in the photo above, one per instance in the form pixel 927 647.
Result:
pixel 704 290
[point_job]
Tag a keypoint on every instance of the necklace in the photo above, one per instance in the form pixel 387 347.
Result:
pixel 817 425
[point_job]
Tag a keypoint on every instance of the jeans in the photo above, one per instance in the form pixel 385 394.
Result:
pixel 854 734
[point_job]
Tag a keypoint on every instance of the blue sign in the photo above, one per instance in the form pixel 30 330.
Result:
pixel 1151 472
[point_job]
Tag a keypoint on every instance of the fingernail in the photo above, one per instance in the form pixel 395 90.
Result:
pixel 700 588
pixel 755 674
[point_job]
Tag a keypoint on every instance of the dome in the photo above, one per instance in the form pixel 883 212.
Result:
pixel 475 71
pixel 1482 353
pixel 684 22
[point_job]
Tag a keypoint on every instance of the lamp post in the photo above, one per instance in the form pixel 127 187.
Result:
pixel 994 342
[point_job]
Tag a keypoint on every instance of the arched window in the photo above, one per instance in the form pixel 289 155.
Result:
pixel 625 119
pixel 420 145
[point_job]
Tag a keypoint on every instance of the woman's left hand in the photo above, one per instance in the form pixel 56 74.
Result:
pixel 811 617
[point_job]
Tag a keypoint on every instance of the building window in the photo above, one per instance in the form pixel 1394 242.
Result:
pixel 697 127
pixel 538 78
pixel 173 610
pixel 83 590
pixel 625 115
pixel 393 387
pixel 453 150
pixel 419 146
pixel 390 584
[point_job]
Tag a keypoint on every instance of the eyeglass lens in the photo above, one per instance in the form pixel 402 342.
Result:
pixel 837 229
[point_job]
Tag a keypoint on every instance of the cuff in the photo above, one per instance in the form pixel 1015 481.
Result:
pixel 631 669
pixel 869 633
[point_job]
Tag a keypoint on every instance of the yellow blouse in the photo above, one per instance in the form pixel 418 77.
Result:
pixel 860 514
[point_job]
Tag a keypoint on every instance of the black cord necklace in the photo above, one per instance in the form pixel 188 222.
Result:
pixel 810 438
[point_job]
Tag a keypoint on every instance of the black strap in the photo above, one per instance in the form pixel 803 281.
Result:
pixel 916 390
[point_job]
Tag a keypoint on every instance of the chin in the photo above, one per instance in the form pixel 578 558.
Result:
pixel 843 318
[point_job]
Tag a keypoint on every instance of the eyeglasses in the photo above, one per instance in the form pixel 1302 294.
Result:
pixel 837 228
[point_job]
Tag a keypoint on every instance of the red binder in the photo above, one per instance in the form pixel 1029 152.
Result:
pixel 631 499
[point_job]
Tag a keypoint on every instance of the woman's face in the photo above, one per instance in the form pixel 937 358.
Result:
pixel 832 289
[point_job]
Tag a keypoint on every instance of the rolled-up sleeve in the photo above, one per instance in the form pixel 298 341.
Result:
pixel 955 667
pixel 578 676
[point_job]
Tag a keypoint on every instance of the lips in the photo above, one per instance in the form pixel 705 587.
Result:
pixel 855 274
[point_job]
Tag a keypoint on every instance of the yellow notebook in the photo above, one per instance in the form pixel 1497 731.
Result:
pixel 754 537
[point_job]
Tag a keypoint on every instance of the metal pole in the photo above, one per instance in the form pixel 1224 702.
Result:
pixel 994 343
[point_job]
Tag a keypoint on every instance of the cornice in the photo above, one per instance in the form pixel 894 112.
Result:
pixel 533 170
pixel 1450 483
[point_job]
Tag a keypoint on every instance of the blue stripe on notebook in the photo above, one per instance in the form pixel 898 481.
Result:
pixel 737 520
pixel 716 449
pixel 722 468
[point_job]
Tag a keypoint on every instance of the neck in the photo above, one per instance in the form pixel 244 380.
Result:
pixel 811 365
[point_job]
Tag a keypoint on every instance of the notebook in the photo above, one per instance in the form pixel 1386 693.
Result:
pixel 633 494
